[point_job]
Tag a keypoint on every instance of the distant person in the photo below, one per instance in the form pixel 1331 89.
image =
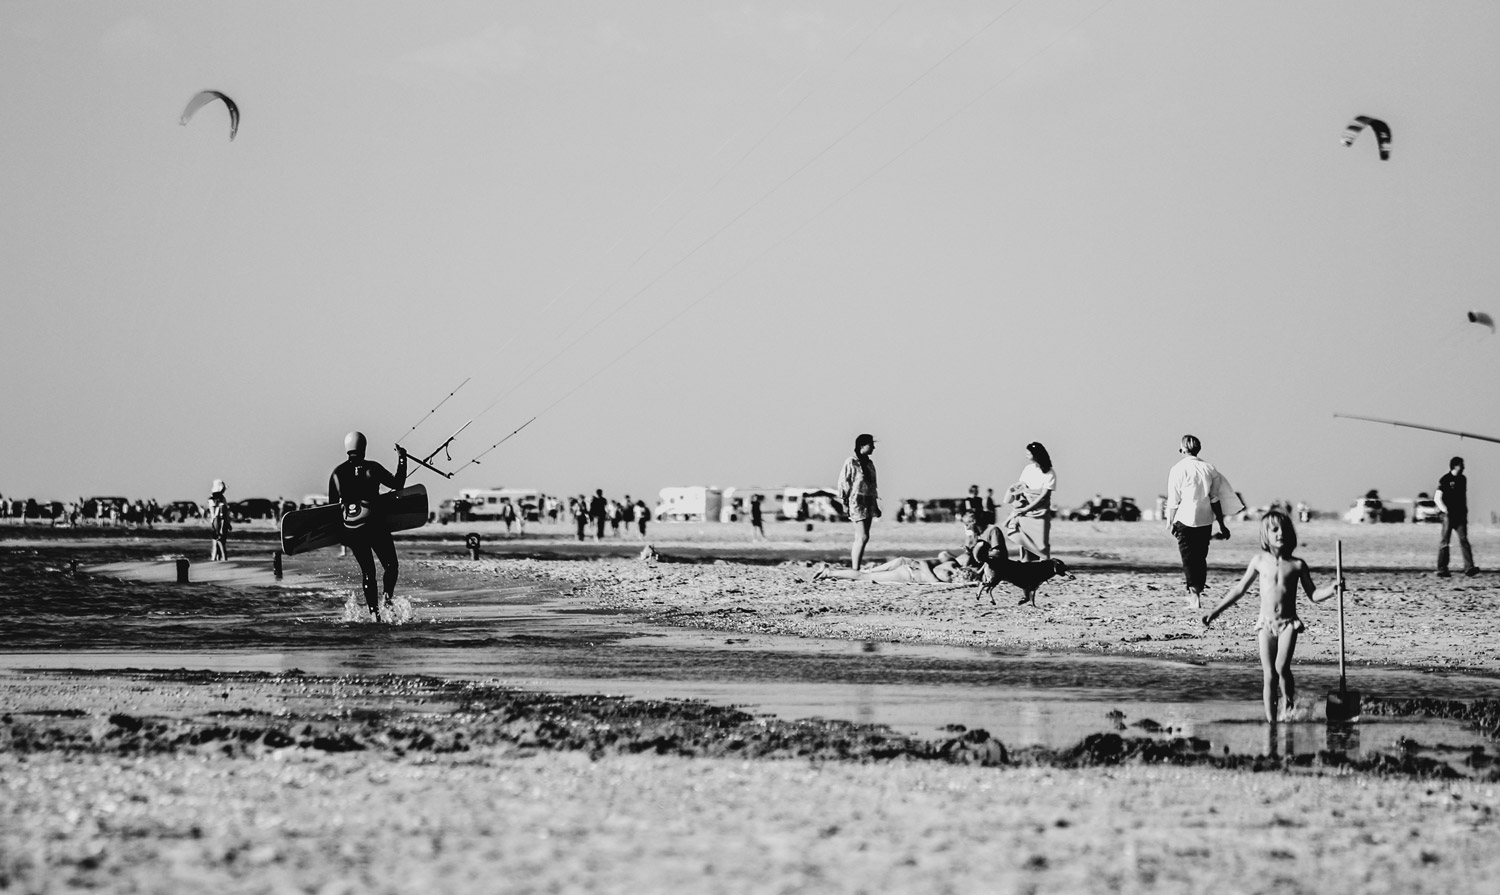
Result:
pixel 1280 573
pixel 353 487
pixel 642 516
pixel 1030 522
pixel 616 516
pixel 599 512
pixel 218 522
pixel 627 513
pixel 757 519
pixel 507 513
pixel 990 508
pixel 973 516
pixel 1198 496
pixel 580 510
pixel 1452 498
pixel 802 512
pixel 859 495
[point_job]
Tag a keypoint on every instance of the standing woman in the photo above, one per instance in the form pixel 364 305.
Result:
pixel 1031 520
pixel 218 522
pixel 859 495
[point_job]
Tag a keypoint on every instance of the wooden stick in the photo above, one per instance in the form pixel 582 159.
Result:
pixel 1338 572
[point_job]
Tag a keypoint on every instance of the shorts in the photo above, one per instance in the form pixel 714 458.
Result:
pixel 1278 626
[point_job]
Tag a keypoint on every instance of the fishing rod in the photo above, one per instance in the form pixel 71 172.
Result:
pixel 1371 419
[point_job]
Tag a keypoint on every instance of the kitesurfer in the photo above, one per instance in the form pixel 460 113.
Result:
pixel 354 487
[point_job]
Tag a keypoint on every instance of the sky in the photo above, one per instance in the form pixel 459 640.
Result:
pixel 703 243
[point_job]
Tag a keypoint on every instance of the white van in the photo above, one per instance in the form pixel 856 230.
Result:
pixel 694 503
pixel 821 504
pixel 484 503
pixel 736 504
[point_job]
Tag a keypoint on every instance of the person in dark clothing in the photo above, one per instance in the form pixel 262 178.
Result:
pixel 353 487
pixel 1453 499
pixel 757 518
pixel 598 511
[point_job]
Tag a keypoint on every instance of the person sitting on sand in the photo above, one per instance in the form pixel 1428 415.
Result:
pixel 1279 572
pixel 901 570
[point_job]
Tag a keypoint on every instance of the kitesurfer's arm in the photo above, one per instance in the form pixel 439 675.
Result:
pixel 333 488
pixel 394 482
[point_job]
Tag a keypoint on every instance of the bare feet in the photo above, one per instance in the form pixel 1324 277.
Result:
pixel 820 571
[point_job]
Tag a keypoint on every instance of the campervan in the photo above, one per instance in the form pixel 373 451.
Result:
pixel 694 503
pixel 484 503
pixel 736 504
pixel 822 504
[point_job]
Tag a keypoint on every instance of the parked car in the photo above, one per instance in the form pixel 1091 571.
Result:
pixel 182 511
pixel 252 508
pixel 102 507
pixel 456 510
pixel 1425 509
pixel 1106 509
pixel 1371 509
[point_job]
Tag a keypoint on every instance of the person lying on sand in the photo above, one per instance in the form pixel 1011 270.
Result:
pixel 901 570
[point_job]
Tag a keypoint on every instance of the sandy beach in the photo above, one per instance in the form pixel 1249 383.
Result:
pixel 178 781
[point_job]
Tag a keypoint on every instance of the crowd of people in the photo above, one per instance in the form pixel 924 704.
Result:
pixel 599 511
pixel 95 511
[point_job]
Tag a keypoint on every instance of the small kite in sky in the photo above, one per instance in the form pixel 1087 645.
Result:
pixel 1381 129
pixel 206 97
pixel 1482 319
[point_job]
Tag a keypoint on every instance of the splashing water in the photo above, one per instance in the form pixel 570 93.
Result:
pixel 396 611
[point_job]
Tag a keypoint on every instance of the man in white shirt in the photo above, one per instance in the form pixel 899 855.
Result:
pixel 1198 496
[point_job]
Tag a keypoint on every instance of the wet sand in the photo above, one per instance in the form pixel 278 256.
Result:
pixel 185 781
pixel 1127 598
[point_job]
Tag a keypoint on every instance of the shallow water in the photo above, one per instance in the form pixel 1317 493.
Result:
pixel 123 609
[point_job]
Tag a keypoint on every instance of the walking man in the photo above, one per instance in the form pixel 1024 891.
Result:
pixel 353 487
pixel 1453 499
pixel 1198 497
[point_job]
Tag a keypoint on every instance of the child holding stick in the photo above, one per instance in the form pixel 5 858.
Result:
pixel 1280 573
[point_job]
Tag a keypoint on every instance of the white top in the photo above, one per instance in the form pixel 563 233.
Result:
pixel 1192 486
pixel 1034 482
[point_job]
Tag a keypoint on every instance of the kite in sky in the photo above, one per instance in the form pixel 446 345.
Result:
pixel 206 97
pixel 1381 129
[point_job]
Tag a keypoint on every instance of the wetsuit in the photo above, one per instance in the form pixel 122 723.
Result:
pixel 354 485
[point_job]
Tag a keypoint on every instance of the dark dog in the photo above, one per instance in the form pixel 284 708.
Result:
pixel 1028 576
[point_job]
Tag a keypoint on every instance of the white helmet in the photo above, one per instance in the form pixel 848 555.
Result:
pixel 354 443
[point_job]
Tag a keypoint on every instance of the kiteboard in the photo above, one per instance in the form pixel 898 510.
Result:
pixel 314 528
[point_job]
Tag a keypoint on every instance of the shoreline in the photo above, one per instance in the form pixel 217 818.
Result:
pixel 253 782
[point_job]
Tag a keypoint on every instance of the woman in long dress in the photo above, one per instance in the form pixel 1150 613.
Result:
pixel 1030 522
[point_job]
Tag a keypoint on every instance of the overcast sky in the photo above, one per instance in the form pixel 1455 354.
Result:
pixel 710 243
